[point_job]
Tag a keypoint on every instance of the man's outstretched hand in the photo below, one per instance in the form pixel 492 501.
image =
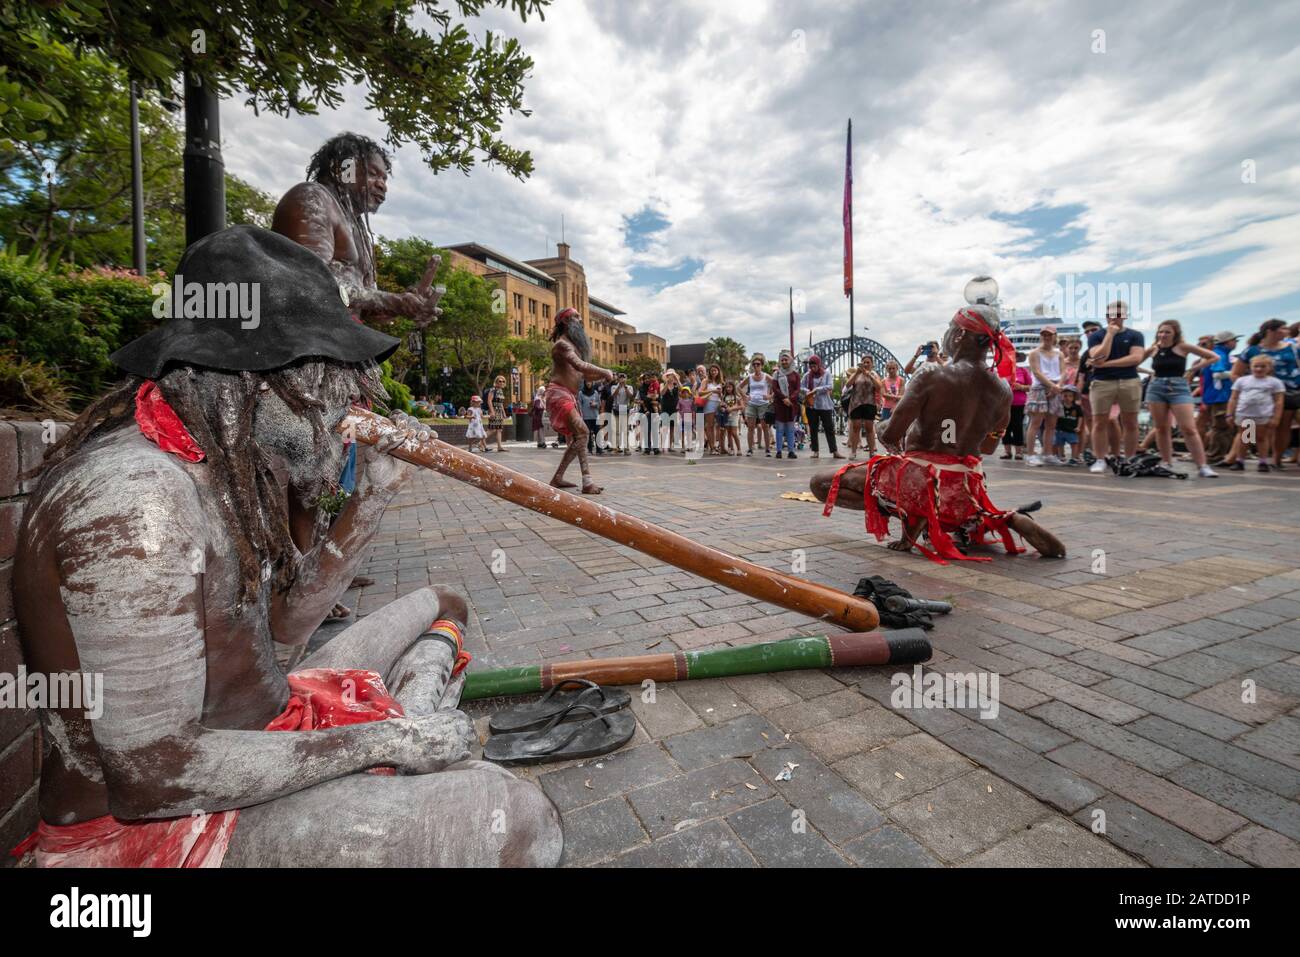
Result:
pixel 421 304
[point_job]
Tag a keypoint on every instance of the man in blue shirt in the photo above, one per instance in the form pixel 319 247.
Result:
pixel 1114 355
pixel 1216 390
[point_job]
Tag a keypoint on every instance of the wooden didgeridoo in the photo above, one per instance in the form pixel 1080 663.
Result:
pixel 765 584
pixel 902 647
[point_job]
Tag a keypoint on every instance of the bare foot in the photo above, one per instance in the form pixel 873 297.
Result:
pixel 902 545
pixel 561 483
pixel 1043 541
pixel 340 610
pixel 591 488
pixel 361 581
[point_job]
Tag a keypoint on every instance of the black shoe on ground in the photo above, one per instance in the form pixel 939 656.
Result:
pixel 790 455
pixel 1236 467
pixel 1264 467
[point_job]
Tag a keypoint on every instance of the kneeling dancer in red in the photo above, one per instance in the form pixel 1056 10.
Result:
pixel 949 416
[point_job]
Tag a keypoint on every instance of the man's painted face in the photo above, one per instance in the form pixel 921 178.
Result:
pixel 950 338
pixel 371 183
pixel 314 460
pixel 577 335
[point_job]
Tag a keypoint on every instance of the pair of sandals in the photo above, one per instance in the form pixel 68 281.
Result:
pixel 562 726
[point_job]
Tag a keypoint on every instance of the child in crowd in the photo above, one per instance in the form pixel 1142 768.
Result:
pixel 1255 406
pixel 729 414
pixel 475 431
pixel 1067 425
pixel 686 413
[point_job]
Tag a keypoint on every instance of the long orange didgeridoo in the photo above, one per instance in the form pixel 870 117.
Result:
pixel 795 594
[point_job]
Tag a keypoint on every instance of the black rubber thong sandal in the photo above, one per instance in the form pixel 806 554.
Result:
pixel 562 740
pixel 534 714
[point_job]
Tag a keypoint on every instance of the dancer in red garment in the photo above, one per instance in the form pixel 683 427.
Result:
pixel 950 415
pixel 569 369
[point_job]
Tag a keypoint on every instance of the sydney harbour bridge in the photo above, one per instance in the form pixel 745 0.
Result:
pixel 837 355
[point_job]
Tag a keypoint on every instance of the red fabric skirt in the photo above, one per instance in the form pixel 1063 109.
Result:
pixel 560 402
pixel 944 491
pixel 318 698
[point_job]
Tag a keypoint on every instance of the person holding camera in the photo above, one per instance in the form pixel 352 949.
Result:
pixel 931 352
pixel 621 398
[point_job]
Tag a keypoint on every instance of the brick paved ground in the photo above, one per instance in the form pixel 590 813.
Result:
pixel 1121 686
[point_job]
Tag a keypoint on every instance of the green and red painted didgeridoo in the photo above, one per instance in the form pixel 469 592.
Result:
pixel 905 646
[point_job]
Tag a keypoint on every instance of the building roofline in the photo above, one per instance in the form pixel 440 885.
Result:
pixel 602 304
pixel 502 257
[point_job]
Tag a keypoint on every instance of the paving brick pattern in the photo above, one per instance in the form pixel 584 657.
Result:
pixel 1149 684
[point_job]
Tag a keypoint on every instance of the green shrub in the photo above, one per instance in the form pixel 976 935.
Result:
pixel 399 396
pixel 30 387
pixel 68 324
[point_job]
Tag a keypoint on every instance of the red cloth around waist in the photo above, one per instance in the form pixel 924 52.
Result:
pixel 945 491
pixel 318 698
pixel 560 402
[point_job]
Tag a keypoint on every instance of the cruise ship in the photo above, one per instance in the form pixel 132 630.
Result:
pixel 1023 328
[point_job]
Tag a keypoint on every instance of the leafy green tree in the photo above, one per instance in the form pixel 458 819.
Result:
pixel 431 82
pixel 533 350
pixel 400 263
pixel 68 195
pixel 471 335
pixel 636 366
pixel 399 267
pixel 728 355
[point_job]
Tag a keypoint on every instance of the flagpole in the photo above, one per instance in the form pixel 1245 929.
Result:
pixel 792 322
pixel 848 239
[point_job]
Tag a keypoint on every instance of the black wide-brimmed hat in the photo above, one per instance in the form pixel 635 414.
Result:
pixel 299 310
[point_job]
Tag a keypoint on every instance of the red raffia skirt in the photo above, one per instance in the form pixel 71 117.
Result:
pixel 946 491
pixel 318 698
pixel 560 401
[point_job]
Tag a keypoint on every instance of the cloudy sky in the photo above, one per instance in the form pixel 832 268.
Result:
pixel 696 153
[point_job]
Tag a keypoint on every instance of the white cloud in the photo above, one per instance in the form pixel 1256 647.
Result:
pixel 728 118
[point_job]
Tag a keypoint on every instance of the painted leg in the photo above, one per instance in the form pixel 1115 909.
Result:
pixel 851 487
pixel 1043 541
pixel 376 642
pixel 579 432
pixel 472 814
pixel 571 450
pixel 908 537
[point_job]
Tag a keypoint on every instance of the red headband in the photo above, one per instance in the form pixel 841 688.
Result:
pixel 1004 352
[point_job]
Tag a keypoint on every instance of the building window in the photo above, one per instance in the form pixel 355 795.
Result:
pixel 546 311
pixel 532 307
pixel 519 302
pixel 519 328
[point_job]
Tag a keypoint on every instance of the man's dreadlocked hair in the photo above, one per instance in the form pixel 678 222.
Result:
pixel 329 162
pixel 328 165
pixel 221 421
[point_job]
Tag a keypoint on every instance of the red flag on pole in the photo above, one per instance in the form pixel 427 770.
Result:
pixel 848 213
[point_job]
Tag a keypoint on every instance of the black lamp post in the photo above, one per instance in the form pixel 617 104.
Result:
pixel 205 172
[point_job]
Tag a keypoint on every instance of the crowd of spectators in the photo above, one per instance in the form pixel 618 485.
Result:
pixel 1080 403
pixel 1076 402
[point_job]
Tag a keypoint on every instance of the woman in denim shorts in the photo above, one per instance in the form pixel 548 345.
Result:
pixel 1044 402
pixel 1169 395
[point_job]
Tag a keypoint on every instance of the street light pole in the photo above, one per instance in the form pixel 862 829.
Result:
pixel 205 172
pixel 137 185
